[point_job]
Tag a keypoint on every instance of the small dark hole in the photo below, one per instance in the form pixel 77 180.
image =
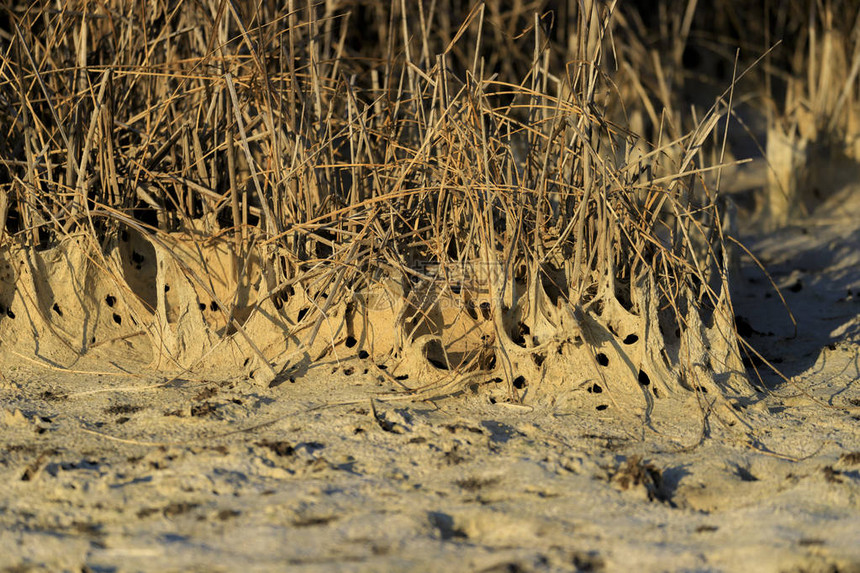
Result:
pixel 643 378
pixel 93 340
pixel 485 310
pixel 110 300
pixel 538 359
pixel 402 377
pixel 595 389
pixel 123 236
pixel 56 308
pixel 602 359
pixel 518 339
pixel 601 408
pixel 796 287
pixel 302 314
pixel 520 382
pixel 743 326
pixel 348 371
pixel 350 341
pixel 363 354
pixel 631 339
pixel 9 313
pixel 2 309
pixel 166 288
pixel 137 257
pixel 654 389
pixel 117 318
pixel 245 363
pixel 213 306
pixel 470 310
pixel 520 331
pixel 202 306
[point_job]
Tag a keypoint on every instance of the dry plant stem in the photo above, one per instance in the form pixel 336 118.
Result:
pixel 271 227
pixel 238 225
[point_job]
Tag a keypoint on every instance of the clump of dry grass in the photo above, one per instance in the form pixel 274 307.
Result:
pixel 801 68
pixel 814 128
pixel 453 193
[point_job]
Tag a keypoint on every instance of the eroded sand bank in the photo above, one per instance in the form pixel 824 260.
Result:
pixel 107 472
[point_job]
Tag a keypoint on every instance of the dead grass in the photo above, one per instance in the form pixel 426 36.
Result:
pixel 461 193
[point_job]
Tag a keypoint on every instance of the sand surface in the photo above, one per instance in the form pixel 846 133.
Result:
pixel 321 472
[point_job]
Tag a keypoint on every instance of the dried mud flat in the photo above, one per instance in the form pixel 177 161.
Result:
pixel 104 472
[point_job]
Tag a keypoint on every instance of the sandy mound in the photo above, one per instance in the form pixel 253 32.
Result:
pixel 182 302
